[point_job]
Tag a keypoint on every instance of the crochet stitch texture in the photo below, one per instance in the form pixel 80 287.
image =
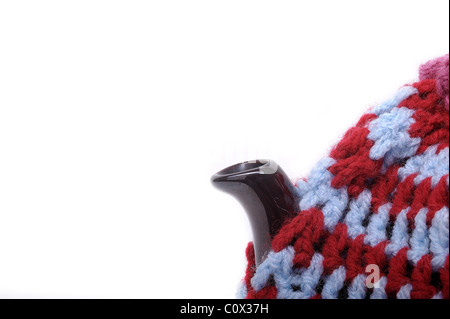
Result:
pixel 378 202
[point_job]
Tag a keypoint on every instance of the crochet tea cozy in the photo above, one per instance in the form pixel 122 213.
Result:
pixel 374 217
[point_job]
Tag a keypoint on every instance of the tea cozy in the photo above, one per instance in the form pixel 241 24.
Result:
pixel 374 217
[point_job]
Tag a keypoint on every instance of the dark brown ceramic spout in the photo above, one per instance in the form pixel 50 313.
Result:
pixel 267 195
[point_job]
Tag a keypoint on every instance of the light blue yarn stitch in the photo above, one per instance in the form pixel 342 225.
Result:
pixel 439 237
pixel 390 134
pixel 358 288
pixel 242 290
pixel 317 191
pixel 359 209
pixel 402 94
pixel 334 283
pixel 428 164
pixel 376 230
pixel 438 296
pixel 399 238
pixel 279 265
pixel 306 280
pixel 405 292
pixel 419 240
pixel 380 292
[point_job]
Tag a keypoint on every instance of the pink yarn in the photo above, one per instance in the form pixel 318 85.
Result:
pixel 437 69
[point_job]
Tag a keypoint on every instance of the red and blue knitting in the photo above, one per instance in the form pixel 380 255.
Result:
pixel 374 216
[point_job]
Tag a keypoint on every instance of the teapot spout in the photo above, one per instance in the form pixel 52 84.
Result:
pixel 267 195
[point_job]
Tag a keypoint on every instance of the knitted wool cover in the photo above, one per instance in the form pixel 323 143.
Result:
pixel 374 216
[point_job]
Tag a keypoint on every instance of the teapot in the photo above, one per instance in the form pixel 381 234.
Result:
pixel 372 218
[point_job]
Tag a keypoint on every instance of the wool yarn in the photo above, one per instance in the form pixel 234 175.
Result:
pixel 374 217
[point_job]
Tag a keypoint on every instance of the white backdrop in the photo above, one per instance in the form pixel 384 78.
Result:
pixel 114 115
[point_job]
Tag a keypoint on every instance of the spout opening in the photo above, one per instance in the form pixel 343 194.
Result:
pixel 244 168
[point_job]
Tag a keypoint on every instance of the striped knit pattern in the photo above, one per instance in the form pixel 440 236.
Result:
pixel 378 201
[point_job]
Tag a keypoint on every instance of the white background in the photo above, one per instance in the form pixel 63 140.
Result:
pixel 114 115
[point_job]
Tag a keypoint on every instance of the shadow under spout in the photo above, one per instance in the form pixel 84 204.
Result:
pixel 267 195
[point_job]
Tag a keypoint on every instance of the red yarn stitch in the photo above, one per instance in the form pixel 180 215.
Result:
pixel 384 186
pixel 403 196
pixel 431 119
pixel 398 275
pixel 431 128
pixel 438 198
pixel 334 248
pixel 444 276
pixel 353 166
pixel 353 139
pixel 420 198
pixel 421 280
pixel 311 219
pixel 354 262
pixel 304 245
pixel 355 170
pixel 304 231
pixel 250 271
pixel 376 256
